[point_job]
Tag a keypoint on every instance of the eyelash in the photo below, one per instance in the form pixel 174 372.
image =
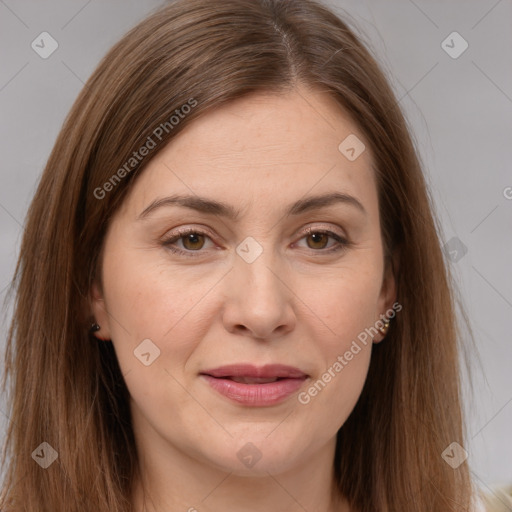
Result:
pixel 342 243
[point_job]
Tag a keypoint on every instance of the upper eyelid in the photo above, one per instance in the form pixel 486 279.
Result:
pixel 204 231
pixel 325 228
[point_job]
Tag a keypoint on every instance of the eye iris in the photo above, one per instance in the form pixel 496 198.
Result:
pixel 318 237
pixel 192 238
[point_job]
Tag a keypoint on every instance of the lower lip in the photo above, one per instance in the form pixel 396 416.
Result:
pixel 255 395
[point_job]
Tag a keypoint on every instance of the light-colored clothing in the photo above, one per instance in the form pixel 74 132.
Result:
pixel 495 499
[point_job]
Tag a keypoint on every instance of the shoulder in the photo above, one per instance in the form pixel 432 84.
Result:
pixel 495 499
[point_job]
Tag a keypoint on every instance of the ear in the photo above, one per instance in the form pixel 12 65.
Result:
pixel 99 312
pixel 387 295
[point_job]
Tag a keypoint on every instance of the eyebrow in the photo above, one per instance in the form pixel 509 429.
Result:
pixel 212 207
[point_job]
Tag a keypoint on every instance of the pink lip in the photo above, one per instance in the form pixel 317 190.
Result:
pixel 255 394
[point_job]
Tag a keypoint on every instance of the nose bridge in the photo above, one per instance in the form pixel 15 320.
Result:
pixel 256 266
pixel 258 298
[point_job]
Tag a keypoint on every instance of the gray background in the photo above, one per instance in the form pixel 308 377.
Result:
pixel 460 111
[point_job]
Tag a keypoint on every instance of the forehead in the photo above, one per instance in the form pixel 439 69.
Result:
pixel 264 148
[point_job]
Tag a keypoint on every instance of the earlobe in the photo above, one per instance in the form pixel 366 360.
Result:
pixel 99 325
pixel 383 329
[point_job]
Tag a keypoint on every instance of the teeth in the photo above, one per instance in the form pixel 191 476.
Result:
pixel 253 380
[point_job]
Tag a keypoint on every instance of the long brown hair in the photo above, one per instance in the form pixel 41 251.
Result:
pixel 67 389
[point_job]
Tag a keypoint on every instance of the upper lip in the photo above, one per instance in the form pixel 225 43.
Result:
pixel 249 370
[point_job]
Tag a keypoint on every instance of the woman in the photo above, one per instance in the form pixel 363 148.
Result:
pixel 231 292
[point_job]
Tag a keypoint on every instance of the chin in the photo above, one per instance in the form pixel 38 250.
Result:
pixel 256 455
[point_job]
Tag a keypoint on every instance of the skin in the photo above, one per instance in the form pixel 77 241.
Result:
pixel 296 304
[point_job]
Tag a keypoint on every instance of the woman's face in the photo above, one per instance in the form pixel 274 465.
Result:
pixel 203 324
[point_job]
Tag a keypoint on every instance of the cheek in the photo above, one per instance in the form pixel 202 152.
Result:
pixel 146 301
pixel 343 306
pixel 346 355
pixel 330 398
pixel 344 309
pixel 157 322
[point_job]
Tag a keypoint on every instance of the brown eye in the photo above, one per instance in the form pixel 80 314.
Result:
pixel 319 240
pixel 193 241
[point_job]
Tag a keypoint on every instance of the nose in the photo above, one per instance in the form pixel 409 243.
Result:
pixel 259 300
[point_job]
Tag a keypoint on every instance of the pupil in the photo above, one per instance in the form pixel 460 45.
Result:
pixel 192 238
pixel 317 238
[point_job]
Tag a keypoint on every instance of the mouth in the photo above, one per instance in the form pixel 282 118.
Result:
pixel 255 386
pixel 253 380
